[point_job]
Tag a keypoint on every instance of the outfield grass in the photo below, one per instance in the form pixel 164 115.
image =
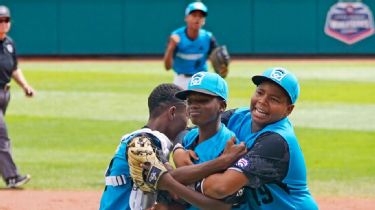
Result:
pixel 66 135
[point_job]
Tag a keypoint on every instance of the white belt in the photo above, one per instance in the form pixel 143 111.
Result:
pixel 115 180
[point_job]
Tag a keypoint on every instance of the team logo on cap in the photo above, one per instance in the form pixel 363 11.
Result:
pixel 198 6
pixel 278 74
pixel 197 79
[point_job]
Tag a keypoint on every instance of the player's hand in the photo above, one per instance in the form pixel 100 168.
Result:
pixel 233 151
pixel 183 157
pixel 176 38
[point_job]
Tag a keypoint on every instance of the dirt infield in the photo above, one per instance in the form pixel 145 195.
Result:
pixel 89 200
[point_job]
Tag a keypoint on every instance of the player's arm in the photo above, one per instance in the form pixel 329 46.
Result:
pixel 267 161
pixel 193 173
pixel 213 44
pixel 168 55
pixel 149 173
pixel 167 182
pixel 183 157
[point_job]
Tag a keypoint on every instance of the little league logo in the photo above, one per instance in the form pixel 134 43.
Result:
pixel 242 163
pixel 197 79
pixel 154 173
pixel 349 22
pixel 278 74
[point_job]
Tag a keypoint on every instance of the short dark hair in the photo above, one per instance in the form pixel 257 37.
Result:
pixel 161 97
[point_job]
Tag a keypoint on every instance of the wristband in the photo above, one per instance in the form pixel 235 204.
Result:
pixel 199 186
pixel 178 146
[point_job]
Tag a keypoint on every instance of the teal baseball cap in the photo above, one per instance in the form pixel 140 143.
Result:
pixel 196 6
pixel 284 78
pixel 207 83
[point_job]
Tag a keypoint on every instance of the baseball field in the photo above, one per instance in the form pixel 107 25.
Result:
pixel 66 135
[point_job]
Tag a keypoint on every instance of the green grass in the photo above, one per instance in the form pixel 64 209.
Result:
pixel 338 91
pixel 66 135
pixel 340 162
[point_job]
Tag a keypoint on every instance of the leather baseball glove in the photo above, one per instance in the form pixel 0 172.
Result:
pixel 145 166
pixel 220 59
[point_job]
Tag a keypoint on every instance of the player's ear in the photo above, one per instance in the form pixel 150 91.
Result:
pixel 289 109
pixel 171 112
pixel 223 106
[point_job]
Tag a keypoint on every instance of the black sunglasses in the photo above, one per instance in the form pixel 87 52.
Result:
pixel 5 20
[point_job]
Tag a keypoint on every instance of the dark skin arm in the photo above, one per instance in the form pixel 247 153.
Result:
pixel 269 158
pixel 193 173
pixel 217 185
pixel 223 184
pixel 167 182
pixel 183 157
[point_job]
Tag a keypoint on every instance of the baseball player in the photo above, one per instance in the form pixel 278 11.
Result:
pixel 273 168
pixel 207 97
pixel 8 70
pixel 189 46
pixel 167 117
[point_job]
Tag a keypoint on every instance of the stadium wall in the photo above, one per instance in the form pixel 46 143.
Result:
pixel 142 27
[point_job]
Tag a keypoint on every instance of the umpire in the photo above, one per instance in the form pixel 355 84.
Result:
pixel 9 69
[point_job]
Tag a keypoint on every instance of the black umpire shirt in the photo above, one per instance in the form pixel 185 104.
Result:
pixel 8 60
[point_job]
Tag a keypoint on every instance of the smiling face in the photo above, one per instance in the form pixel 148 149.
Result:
pixel 204 109
pixel 269 104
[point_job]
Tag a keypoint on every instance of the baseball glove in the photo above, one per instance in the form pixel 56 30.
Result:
pixel 220 59
pixel 144 164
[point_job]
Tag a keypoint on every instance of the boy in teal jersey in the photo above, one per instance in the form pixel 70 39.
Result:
pixel 189 46
pixel 207 97
pixel 273 169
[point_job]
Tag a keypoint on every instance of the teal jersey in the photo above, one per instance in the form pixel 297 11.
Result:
pixel 293 192
pixel 191 56
pixel 209 149
pixel 119 185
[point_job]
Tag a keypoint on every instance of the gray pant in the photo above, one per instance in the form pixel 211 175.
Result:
pixel 7 166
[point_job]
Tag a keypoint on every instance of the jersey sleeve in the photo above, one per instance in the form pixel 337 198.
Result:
pixel 213 44
pixel 13 53
pixel 225 116
pixel 180 137
pixel 267 160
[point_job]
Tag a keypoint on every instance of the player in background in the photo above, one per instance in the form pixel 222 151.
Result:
pixel 273 169
pixel 189 46
pixel 9 69
pixel 167 117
